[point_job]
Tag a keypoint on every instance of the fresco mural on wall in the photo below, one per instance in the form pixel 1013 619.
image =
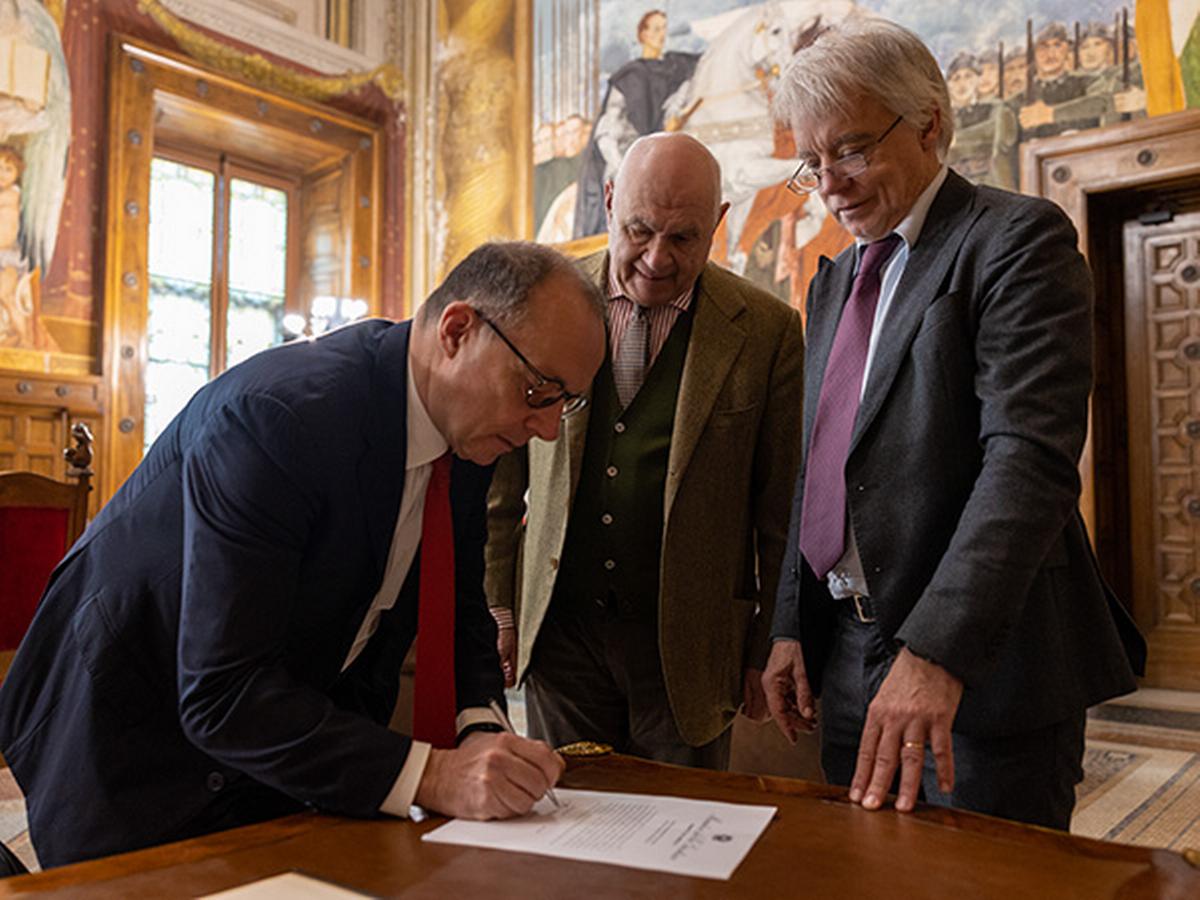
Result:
pixel 607 71
pixel 35 135
pixel 1185 41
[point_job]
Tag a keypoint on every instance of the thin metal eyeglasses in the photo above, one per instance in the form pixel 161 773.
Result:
pixel 546 390
pixel 805 179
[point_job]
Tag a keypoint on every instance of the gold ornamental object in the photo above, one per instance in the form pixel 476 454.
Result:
pixel 581 749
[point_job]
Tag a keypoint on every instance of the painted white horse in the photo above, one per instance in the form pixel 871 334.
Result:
pixel 726 103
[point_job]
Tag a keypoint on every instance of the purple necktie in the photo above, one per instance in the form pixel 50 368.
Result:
pixel 823 516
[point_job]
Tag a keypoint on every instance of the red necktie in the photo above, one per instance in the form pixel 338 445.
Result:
pixel 823 515
pixel 435 702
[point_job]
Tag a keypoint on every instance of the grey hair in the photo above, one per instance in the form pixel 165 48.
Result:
pixel 498 277
pixel 866 56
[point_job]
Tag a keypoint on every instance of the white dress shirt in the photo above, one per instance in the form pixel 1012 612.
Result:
pixel 424 445
pixel 846 578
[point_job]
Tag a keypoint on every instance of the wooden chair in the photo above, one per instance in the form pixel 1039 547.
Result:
pixel 40 518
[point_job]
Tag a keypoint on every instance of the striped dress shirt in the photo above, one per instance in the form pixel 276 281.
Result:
pixel 621 310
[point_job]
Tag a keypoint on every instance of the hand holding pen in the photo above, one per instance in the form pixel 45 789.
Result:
pixel 507 725
pixel 488 776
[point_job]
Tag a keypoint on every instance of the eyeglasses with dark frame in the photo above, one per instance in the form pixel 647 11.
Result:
pixel 806 179
pixel 546 390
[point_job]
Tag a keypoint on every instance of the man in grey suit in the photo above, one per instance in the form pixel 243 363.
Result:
pixel 640 613
pixel 940 592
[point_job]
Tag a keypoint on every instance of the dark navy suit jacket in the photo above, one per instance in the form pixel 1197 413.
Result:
pixel 183 672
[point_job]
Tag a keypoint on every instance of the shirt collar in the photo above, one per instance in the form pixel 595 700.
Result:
pixel 910 227
pixel 681 303
pixel 425 442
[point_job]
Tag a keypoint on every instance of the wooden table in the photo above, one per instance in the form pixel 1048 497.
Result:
pixel 819 846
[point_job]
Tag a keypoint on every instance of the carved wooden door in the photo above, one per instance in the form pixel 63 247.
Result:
pixel 1162 289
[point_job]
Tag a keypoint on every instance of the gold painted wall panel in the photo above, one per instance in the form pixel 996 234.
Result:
pixel 470 171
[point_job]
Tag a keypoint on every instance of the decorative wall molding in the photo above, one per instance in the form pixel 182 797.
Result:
pixel 468 69
pixel 283 12
pixel 384 31
pixel 417 37
pixel 248 23
pixel 254 68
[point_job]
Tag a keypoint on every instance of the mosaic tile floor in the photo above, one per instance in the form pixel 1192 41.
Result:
pixel 1142 771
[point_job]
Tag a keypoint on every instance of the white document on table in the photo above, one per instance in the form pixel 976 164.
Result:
pixel 702 838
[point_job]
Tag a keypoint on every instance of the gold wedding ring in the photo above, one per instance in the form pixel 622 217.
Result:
pixel 908 745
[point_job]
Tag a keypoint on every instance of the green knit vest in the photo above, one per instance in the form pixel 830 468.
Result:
pixel 614 539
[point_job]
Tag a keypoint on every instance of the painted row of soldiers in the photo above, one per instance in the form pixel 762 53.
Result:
pixel 1076 84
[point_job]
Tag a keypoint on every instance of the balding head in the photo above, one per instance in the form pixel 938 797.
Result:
pixel 663 208
pixel 676 161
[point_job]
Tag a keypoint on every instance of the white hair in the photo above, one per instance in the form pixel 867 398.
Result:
pixel 866 56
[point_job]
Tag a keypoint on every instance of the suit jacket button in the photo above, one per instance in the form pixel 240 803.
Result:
pixel 215 781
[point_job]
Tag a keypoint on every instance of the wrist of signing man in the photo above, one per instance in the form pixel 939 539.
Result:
pixel 477 728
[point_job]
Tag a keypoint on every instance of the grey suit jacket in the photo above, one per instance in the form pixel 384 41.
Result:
pixel 962 478
pixel 734 453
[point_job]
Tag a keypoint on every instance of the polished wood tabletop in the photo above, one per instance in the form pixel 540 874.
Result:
pixel 819 845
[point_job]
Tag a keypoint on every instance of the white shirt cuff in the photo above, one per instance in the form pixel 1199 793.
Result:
pixel 404 791
pixel 472 715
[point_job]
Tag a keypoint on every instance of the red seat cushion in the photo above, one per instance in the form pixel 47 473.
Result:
pixel 32 541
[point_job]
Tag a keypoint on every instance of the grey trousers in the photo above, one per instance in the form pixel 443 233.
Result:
pixel 1028 777
pixel 597 677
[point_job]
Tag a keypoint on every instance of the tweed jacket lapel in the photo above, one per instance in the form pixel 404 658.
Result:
pixel 945 228
pixel 715 343
pixel 566 453
pixel 571 441
pixel 558 464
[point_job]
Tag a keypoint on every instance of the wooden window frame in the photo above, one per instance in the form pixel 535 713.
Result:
pixel 151 92
pixel 225 167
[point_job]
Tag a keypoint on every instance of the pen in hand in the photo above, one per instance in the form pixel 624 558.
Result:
pixel 498 710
